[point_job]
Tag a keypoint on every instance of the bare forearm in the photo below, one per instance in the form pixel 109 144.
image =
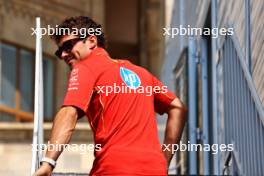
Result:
pixel 175 124
pixel 62 129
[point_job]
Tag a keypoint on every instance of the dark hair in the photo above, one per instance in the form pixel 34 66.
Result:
pixel 81 22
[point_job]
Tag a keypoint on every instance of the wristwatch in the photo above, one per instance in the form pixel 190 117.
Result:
pixel 50 161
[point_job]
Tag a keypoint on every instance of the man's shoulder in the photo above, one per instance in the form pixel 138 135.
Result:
pixel 139 70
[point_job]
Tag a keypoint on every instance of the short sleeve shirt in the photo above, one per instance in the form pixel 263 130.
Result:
pixel 120 100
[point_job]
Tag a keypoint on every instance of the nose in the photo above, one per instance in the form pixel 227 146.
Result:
pixel 63 54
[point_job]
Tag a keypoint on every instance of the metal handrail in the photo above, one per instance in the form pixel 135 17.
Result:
pixel 242 111
pixel 248 78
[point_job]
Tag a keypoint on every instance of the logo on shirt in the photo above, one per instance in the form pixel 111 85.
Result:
pixel 73 82
pixel 130 78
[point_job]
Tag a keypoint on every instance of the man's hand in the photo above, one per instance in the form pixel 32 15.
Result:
pixel 44 170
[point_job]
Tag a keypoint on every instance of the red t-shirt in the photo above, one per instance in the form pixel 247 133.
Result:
pixel 123 120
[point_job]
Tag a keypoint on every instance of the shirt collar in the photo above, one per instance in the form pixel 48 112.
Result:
pixel 98 52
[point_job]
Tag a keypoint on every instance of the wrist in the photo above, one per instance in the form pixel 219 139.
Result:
pixel 48 162
pixel 47 166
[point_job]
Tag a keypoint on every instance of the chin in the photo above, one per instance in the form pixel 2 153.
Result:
pixel 72 65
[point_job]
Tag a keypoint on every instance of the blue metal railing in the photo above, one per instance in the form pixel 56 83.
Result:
pixel 239 112
pixel 192 103
pixel 243 117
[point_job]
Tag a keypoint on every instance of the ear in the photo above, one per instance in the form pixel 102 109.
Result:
pixel 92 41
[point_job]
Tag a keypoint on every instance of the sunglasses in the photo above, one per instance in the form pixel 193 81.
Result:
pixel 67 46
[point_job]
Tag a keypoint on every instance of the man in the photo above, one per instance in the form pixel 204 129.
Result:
pixel 119 100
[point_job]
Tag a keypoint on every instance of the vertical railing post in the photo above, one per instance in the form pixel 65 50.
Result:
pixel 205 123
pixel 192 103
pixel 248 35
pixel 38 103
pixel 215 120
